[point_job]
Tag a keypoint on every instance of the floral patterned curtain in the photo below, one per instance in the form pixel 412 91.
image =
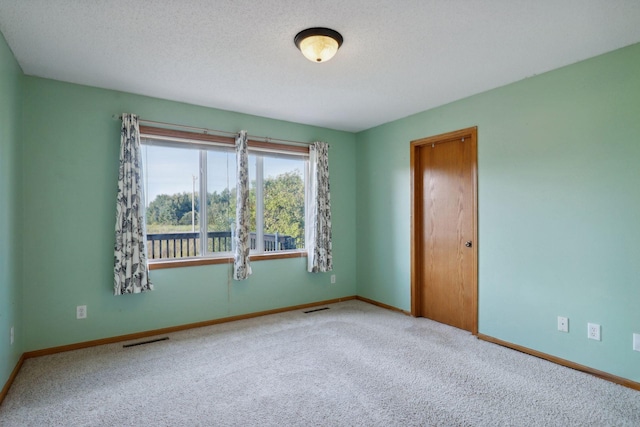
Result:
pixel 318 221
pixel 241 266
pixel 131 275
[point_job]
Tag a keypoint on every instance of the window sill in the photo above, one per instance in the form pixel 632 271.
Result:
pixel 192 262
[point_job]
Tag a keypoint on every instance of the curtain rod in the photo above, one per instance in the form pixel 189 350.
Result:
pixel 207 131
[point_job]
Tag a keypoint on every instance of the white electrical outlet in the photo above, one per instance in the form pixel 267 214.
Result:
pixel 636 342
pixel 563 324
pixel 333 279
pixel 81 312
pixel 12 336
pixel 593 331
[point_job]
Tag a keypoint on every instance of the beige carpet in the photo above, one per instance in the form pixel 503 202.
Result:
pixel 352 365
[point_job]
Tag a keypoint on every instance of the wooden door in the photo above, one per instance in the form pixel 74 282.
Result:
pixel 444 243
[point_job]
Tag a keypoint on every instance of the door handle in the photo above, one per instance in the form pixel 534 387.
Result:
pixel 468 244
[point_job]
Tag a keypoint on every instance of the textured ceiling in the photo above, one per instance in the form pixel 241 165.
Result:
pixel 399 57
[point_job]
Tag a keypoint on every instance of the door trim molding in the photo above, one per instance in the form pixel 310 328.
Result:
pixel 417 214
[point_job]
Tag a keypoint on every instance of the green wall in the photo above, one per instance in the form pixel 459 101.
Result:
pixel 10 290
pixel 559 208
pixel 70 164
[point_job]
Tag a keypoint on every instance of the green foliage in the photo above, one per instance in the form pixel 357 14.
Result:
pixel 221 210
pixel 187 220
pixel 283 199
pixel 170 210
pixel 284 205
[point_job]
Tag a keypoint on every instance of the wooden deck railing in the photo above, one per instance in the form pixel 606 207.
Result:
pixel 181 245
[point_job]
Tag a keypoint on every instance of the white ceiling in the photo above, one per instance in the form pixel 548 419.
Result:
pixel 399 57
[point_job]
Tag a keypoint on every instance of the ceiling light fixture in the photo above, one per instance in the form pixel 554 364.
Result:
pixel 318 44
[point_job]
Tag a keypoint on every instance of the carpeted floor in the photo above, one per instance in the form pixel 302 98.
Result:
pixel 352 365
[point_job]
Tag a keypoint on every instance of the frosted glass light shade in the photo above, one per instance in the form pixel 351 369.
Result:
pixel 318 44
pixel 318 48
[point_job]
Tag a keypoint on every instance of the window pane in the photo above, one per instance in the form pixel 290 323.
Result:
pixel 177 173
pixel 172 201
pixel 221 199
pixel 283 203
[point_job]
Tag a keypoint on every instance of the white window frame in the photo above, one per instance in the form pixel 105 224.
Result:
pixel 205 143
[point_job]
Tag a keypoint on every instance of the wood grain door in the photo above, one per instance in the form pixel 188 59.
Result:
pixel 444 240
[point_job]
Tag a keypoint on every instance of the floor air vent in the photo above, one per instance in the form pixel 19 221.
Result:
pixel 145 342
pixel 317 309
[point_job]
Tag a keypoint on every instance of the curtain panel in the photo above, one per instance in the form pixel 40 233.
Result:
pixel 241 265
pixel 318 221
pixel 131 274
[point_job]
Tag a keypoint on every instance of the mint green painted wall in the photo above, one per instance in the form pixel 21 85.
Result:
pixel 559 208
pixel 10 290
pixel 70 162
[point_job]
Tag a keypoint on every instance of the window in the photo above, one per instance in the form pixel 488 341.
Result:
pixel 190 192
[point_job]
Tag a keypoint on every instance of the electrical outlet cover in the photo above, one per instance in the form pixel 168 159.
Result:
pixel 563 324
pixel 81 312
pixel 593 331
pixel 636 342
